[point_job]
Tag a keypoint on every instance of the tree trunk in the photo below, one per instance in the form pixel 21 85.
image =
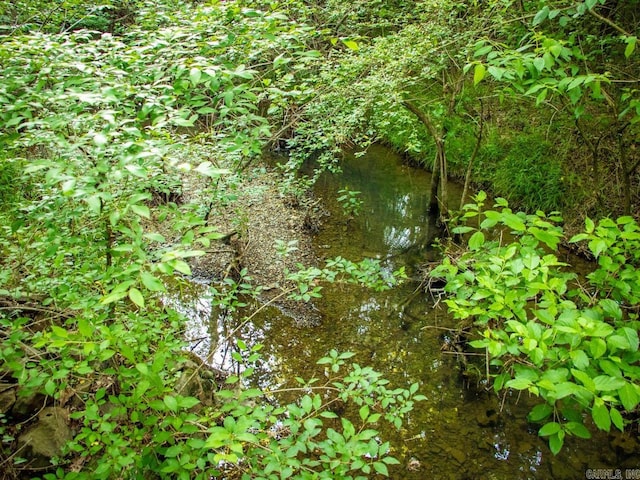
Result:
pixel 442 160
pixel 627 170
pixel 435 183
pixel 436 202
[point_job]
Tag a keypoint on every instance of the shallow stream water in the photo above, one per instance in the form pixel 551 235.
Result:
pixel 463 430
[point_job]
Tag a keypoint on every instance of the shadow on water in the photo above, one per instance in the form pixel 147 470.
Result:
pixel 463 430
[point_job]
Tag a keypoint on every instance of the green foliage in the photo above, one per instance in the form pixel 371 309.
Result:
pixel 573 345
pixel 367 272
pixel 531 175
pixel 135 421
pixel 350 202
pixel 71 15
pixel 100 135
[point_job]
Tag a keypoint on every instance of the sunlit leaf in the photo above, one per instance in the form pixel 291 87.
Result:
pixel 601 418
pixel 550 428
pixel 631 46
pixel 351 45
pixel 141 210
pixel 541 16
pixel 171 403
pixel 479 73
pixel 152 283
pixel 136 297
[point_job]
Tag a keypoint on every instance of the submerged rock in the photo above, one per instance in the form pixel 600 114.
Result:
pixel 45 439
pixel 457 454
pixel 625 443
pixel 488 418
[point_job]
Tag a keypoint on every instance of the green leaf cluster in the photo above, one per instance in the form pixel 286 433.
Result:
pixel 101 135
pixel 574 343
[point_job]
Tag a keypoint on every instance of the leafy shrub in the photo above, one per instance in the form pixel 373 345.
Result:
pixel 573 345
pixel 104 123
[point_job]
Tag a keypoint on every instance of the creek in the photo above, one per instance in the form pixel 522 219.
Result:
pixel 463 429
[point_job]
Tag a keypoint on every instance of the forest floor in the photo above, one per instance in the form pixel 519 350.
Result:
pixel 272 237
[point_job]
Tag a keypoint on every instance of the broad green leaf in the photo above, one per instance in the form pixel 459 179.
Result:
pixel 50 387
pixel 381 468
pixel 600 416
pixel 141 210
pixel 580 359
pixel 628 396
pixel 151 283
pixel 346 355
pixel 476 240
pixel 564 389
pixel 59 331
pixel 597 347
pixel 95 204
pixel 136 170
pixel 549 239
pixel 611 308
pixel 351 45
pixel 136 297
pixel 631 46
pixel 578 429
pixel 519 383
pixel 514 222
pixel 607 383
pixel 219 437
pixel 579 238
pixel 306 403
pixel 496 72
pixel 479 73
pixel 610 368
pixel 597 246
pixel 171 403
pixel 364 412
pixel 616 419
pixel 113 297
pixel 539 64
pixel 631 336
pixel 585 379
pixel 182 122
pixel 181 266
pixel 540 412
pixel 542 96
pixel 589 225
pixel 545 316
pixel 550 428
pixel 556 441
pixel 195 74
pixel 187 402
pixel 85 328
pixel 482 51
pixel 462 229
pixel 541 16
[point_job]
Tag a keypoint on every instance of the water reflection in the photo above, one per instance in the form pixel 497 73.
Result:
pixel 463 430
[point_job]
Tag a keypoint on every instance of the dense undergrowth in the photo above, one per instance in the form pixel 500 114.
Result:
pixel 571 342
pixel 109 113
pixel 102 135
